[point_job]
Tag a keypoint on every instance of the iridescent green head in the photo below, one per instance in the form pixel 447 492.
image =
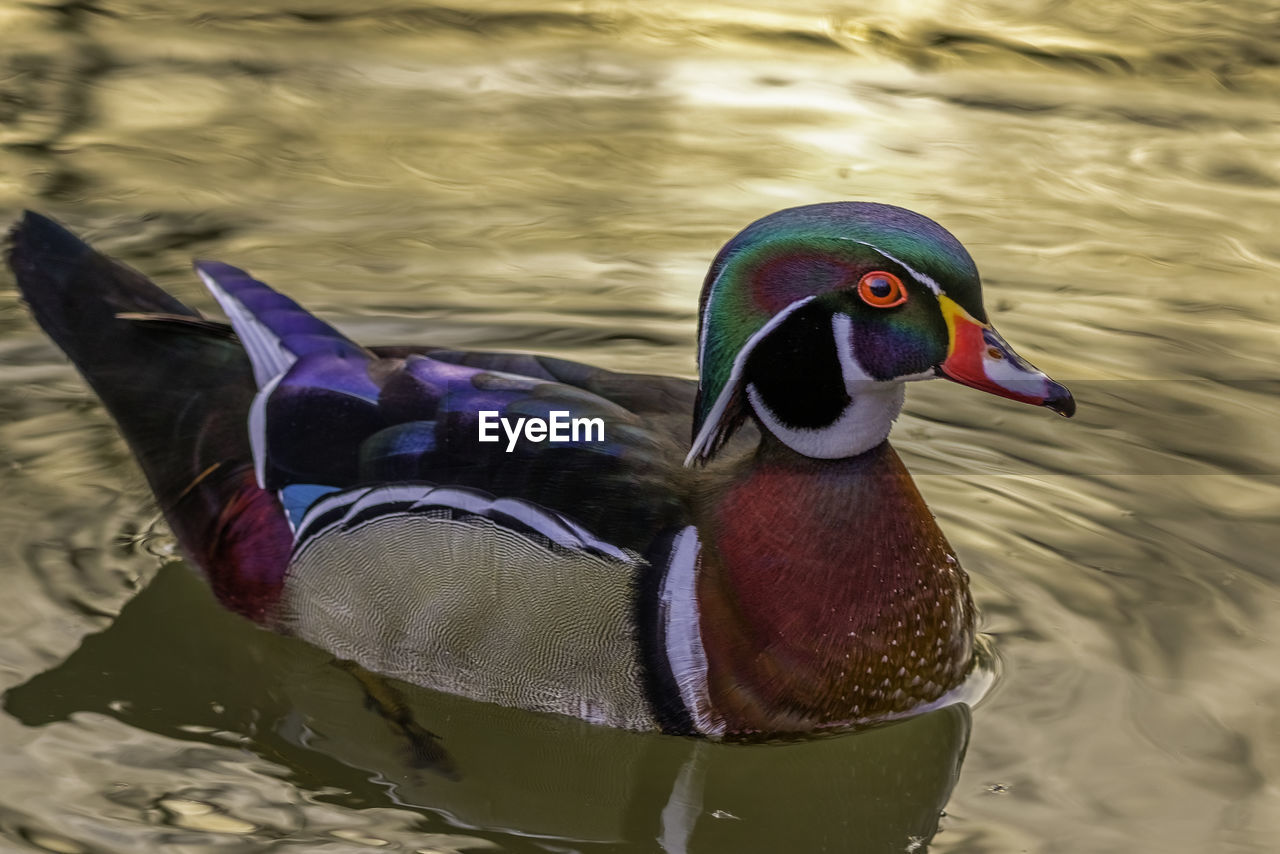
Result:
pixel 812 309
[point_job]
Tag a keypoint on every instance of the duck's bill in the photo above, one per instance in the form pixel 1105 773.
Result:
pixel 980 358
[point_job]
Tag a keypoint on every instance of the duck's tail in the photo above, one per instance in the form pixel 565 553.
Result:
pixel 180 388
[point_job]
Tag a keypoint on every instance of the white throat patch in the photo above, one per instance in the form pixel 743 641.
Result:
pixel 873 407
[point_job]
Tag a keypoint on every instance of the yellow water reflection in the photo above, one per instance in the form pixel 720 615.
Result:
pixel 556 177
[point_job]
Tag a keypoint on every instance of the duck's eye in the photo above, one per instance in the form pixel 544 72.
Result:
pixel 882 290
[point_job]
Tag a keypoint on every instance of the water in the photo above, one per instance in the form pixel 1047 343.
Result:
pixel 556 177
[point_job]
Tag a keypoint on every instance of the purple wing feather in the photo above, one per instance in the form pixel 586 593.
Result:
pixel 330 413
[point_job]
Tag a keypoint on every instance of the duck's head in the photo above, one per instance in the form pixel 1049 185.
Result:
pixel 812 318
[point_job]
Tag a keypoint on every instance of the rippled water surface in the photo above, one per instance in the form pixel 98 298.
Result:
pixel 556 177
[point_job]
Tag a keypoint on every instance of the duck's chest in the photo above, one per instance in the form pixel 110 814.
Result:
pixel 828 596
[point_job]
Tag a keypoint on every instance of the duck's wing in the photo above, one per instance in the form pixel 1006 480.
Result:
pixel 179 388
pixel 331 415
pixel 665 404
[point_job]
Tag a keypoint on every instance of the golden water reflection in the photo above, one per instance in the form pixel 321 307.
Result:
pixel 556 177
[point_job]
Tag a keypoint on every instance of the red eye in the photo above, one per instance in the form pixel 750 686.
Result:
pixel 881 289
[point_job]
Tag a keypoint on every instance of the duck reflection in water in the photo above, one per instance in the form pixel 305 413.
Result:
pixel 176 664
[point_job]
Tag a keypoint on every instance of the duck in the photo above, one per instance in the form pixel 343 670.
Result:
pixel 740 556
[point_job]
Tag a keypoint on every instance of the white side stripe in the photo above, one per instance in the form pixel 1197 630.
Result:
pixel 459 499
pixel 392 494
pixel 548 523
pixel 682 629
pixel 330 502
pixel 555 527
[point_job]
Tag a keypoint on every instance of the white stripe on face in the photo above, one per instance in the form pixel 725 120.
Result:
pixel 928 281
pixel 706 436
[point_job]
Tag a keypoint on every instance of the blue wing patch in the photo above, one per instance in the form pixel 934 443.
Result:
pixel 298 498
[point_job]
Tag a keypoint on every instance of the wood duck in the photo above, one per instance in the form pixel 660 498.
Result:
pixel 738 557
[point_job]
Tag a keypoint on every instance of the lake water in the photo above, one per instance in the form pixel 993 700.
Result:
pixel 556 177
